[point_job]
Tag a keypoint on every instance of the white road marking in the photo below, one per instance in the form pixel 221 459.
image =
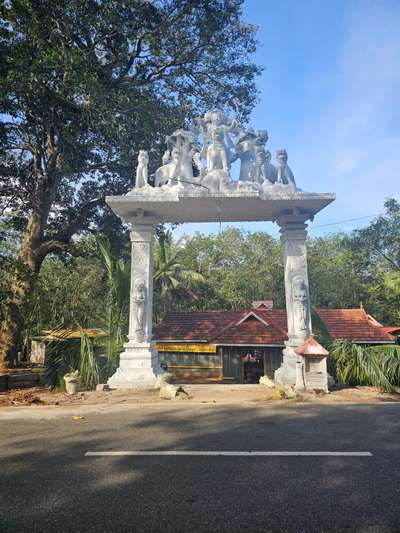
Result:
pixel 231 454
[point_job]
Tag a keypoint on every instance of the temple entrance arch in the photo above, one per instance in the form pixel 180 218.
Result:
pixel 263 192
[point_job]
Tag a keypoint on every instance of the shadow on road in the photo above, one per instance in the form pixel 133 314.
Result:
pixel 47 483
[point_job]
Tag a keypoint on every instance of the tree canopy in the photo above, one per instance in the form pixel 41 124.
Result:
pixel 86 84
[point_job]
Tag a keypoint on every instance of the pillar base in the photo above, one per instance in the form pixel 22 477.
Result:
pixel 286 374
pixel 138 368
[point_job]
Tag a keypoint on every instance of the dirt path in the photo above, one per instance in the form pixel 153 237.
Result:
pixel 194 394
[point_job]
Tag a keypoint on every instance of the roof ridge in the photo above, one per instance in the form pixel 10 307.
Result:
pixel 241 320
pixel 228 326
pixel 273 324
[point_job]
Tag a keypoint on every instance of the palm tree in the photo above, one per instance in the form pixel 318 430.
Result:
pixel 174 284
pixel 114 317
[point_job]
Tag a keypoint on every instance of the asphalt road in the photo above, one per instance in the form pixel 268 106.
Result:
pixel 47 484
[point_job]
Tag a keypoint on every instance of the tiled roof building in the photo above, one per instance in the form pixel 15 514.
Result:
pixel 257 326
pixel 212 344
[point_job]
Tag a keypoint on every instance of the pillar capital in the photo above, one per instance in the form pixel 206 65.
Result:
pixel 292 227
pixel 142 232
pixel 142 226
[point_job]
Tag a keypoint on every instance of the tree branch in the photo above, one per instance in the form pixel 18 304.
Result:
pixel 65 235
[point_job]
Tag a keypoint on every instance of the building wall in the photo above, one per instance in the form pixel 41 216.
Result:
pixel 189 366
pixel 224 365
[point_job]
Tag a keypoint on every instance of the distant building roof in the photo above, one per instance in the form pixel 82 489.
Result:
pixel 263 304
pixel 68 334
pixel 264 326
pixel 394 330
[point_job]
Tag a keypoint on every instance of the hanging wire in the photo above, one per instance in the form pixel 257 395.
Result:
pixel 343 221
pixel 219 213
pixel 190 183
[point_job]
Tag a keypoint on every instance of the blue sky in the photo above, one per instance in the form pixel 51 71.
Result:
pixel 330 95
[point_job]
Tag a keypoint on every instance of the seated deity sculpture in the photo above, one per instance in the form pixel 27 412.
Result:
pixel 284 173
pixel 167 172
pixel 178 159
pixel 142 169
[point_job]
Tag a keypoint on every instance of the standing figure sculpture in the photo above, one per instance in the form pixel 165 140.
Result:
pixel 217 141
pixel 142 172
pixel 284 174
pixel 139 313
pixel 300 299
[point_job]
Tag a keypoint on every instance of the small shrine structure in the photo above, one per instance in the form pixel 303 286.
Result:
pixel 195 184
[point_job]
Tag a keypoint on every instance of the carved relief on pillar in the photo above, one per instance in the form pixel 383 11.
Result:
pixel 141 294
pixel 138 309
pixel 296 280
pixel 301 305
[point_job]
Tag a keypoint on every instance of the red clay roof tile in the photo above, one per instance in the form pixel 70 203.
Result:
pixel 221 326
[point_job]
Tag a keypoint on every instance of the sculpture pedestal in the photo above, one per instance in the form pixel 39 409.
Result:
pixel 138 368
pixel 287 372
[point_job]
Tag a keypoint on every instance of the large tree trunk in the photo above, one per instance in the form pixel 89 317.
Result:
pixel 30 260
pixel 31 255
pixel 12 325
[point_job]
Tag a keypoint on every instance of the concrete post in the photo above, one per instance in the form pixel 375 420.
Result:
pixel 138 367
pixel 293 231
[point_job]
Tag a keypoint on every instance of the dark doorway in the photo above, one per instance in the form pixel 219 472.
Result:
pixel 238 370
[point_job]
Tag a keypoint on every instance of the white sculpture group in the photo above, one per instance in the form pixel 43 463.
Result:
pixel 203 157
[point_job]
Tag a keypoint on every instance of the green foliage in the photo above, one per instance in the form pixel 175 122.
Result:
pixel 380 241
pixel 378 366
pixel 64 355
pixel 376 258
pixel 90 370
pixel 320 330
pixel 85 85
pixel 174 283
pixel 68 292
pixel 239 267
pixel 330 260
pixel 113 317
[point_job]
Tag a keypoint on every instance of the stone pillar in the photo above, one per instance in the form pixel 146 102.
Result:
pixel 138 366
pixel 293 231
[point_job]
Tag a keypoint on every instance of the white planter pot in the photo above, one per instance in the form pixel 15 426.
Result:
pixel 71 385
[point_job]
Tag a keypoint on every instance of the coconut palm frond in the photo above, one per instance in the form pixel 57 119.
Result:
pixel 114 317
pixel 105 250
pixel 89 368
pixel 390 355
pixel 356 365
